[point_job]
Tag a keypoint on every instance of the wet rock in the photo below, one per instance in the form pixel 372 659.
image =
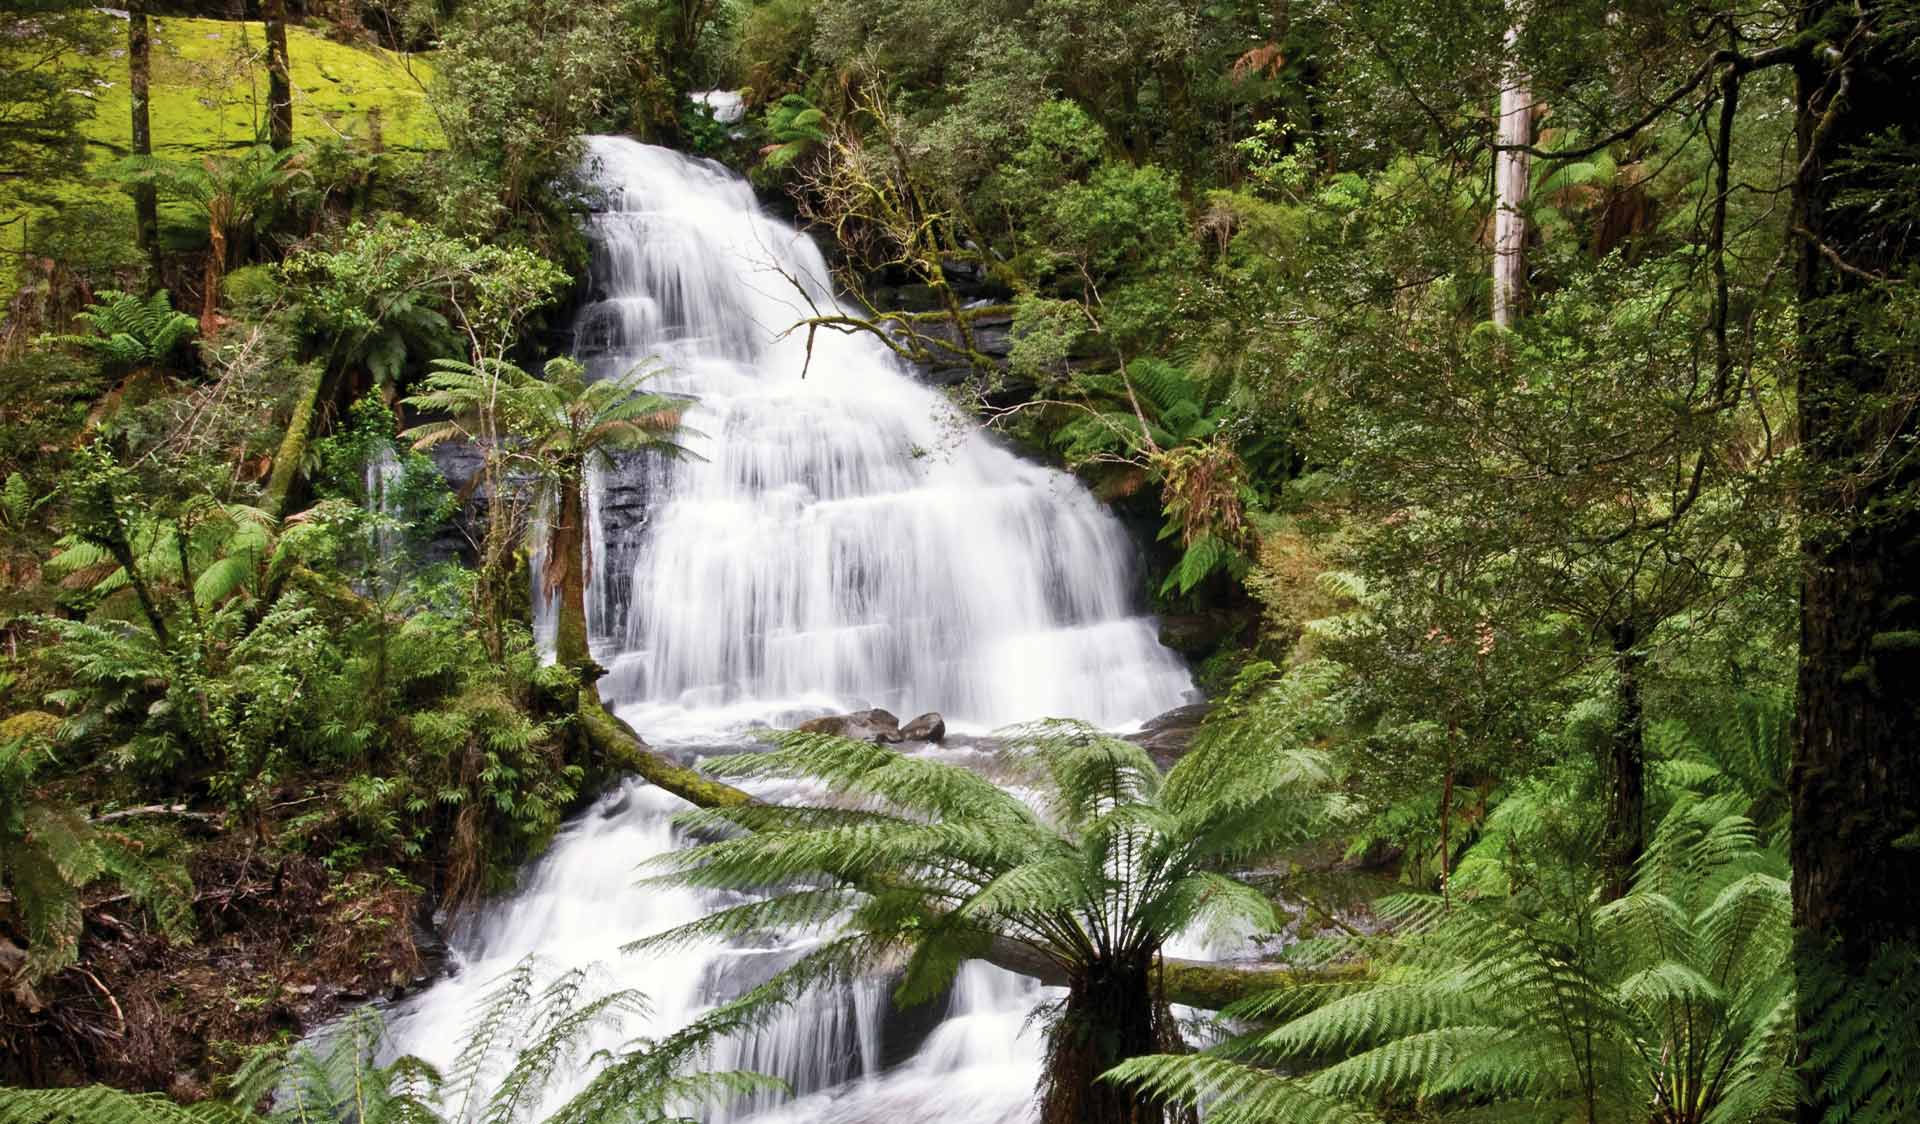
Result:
pixel 878 726
pixel 1197 634
pixel 1167 737
pixel 929 727
pixel 429 943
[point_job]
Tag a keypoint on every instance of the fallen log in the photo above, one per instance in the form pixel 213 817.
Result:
pixel 622 748
pixel 1191 983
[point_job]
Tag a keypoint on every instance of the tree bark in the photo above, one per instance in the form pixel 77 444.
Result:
pixel 1626 768
pixel 279 77
pixel 1855 780
pixel 1511 182
pixel 146 198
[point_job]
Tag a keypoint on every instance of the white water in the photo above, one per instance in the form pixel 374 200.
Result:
pixel 845 540
pixel 848 540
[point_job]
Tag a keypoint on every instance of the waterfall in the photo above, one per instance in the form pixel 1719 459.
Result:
pixel 844 538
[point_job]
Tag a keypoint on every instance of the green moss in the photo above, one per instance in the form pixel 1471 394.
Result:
pixel 1904 641
pixel 617 744
pixel 209 95
pixel 1212 986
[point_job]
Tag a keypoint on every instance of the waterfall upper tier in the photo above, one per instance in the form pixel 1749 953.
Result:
pixel 845 537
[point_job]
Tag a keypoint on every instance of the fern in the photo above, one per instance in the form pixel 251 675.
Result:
pixel 1671 996
pixel 49 854
pixel 128 331
pixel 524 1036
pixel 1861 1035
pixel 932 863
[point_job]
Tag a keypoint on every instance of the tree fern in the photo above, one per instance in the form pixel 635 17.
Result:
pixel 1533 1002
pixel 932 862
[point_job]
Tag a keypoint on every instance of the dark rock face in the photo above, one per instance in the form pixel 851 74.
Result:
pixel 1167 737
pixel 929 727
pixel 877 726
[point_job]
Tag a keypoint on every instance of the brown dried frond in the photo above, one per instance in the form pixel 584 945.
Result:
pixel 1265 61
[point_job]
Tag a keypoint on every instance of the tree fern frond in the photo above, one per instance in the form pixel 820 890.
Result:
pixel 1233 1093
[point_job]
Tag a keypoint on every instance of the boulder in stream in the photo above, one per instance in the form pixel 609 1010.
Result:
pixel 877 726
pixel 929 727
pixel 1167 737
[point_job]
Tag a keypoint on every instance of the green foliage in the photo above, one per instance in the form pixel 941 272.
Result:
pixel 130 332
pixel 1542 1002
pixel 250 662
pixel 231 199
pixel 523 1037
pixel 1157 422
pixel 1109 861
pixel 394 294
pixel 50 854
pixel 1859 1031
pixel 515 85
pixel 795 127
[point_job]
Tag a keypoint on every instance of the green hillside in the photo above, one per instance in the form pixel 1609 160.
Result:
pixel 210 95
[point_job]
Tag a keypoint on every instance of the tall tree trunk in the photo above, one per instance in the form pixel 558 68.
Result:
pixel 1855 781
pixel 279 77
pixel 1626 768
pixel 566 574
pixel 1510 182
pixel 146 198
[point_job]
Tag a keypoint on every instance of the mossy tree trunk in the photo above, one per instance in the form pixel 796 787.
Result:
pixel 1855 780
pixel 146 197
pixel 279 77
pixel 566 571
pixel 293 445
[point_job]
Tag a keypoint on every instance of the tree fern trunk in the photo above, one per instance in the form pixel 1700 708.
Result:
pixel 566 573
pixel 1112 1013
pixel 1855 781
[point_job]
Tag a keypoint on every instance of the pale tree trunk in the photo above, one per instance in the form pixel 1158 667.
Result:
pixel 279 77
pixel 1511 173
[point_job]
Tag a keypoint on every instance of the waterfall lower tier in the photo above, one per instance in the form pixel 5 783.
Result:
pixel 843 539
pixel 846 1054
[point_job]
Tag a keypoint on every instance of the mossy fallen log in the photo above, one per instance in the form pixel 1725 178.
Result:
pixel 622 748
pixel 1210 986
pixel 1193 983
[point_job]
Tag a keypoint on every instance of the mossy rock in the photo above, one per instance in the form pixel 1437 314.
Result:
pixel 28 724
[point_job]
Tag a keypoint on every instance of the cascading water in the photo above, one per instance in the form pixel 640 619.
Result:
pixel 843 539
pixel 846 539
